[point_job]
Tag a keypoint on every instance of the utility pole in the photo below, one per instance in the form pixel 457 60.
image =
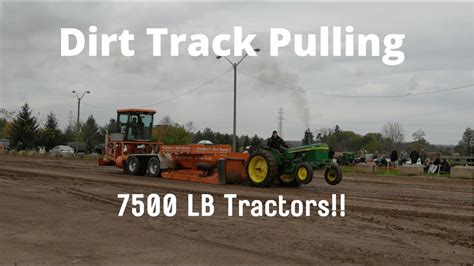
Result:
pixel 79 98
pixel 280 122
pixel 70 117
pixel 234 128
pixel 234 66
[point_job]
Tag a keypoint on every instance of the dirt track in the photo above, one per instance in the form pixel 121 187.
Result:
pixel 65 211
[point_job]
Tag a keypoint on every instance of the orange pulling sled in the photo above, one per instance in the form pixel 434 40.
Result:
pixel 132 149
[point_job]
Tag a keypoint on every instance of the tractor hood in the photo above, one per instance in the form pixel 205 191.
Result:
pixel 316 146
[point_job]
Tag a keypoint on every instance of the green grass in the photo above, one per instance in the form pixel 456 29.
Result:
pixel 347 169
pixel 382 171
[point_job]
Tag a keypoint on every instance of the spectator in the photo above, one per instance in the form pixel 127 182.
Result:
pixel 434 164
pixel 362 153
pixel 423 156
pixel 437 160
pixel 331 152
pixel 394 158
pixel 414 155
pixel 445 167
pixel 403 157
pixel 427 164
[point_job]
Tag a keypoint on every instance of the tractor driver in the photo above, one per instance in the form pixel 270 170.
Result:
pixel 137 128
pixel 276 142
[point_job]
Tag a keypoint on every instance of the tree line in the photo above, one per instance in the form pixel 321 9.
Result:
pixel 25 132
pixel 391 137
pixel 170 132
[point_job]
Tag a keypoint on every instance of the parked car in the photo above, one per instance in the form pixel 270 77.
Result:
pixel 99 149
pixel 61 150
pixel 206 142
pixel 5 143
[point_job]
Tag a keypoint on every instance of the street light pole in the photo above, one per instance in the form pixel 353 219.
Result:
pixel 234 66
pixel 234 132
pixel 79 98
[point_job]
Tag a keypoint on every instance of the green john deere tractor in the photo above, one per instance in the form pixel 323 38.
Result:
pixel 293 167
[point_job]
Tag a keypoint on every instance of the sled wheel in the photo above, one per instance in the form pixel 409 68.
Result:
pixel 304 173
pixel 153 167
pixel 333 175
pixel 132 165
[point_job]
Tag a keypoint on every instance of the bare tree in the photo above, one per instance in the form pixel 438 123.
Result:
pixel 418 135
pixel 166 120
pixel 394 132
pixel 190 127
pixel 326 131
pixel 323 134
pixel 7 115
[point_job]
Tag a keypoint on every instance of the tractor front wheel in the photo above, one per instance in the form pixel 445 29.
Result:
pixel 333 175
pixel 288 181
pixel 262 169
pixel 304 173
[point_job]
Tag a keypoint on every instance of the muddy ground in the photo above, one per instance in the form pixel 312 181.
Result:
pixel 65 211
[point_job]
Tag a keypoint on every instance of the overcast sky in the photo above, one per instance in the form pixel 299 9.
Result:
pixel 438 55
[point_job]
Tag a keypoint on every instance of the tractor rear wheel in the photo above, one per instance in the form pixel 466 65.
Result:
pixel 153 167
pixel 262 169
pixel 304 173
pixel 288 181
pixel 333 175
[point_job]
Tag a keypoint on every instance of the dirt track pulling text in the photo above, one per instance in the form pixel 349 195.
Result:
pixel 154 205
pixel 332 41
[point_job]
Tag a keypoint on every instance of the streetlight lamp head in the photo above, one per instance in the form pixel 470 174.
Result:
pixel 257 50
pixel 218 57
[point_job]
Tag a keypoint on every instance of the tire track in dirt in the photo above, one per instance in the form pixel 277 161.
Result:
pixel 197 223
pixel 99 198
pixel 412 216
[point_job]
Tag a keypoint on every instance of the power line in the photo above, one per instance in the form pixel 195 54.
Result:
pixel 170 99
pixel 99 107
pixel 356 96
pixel 189 91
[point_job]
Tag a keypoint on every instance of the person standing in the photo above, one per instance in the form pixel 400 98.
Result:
pixel 422 156
pixel 362 153
pixel 331 152
pixel 394 158
pixel 414 155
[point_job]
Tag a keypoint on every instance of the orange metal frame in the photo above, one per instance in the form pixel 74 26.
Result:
pixel 115 153
pixel 188 157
